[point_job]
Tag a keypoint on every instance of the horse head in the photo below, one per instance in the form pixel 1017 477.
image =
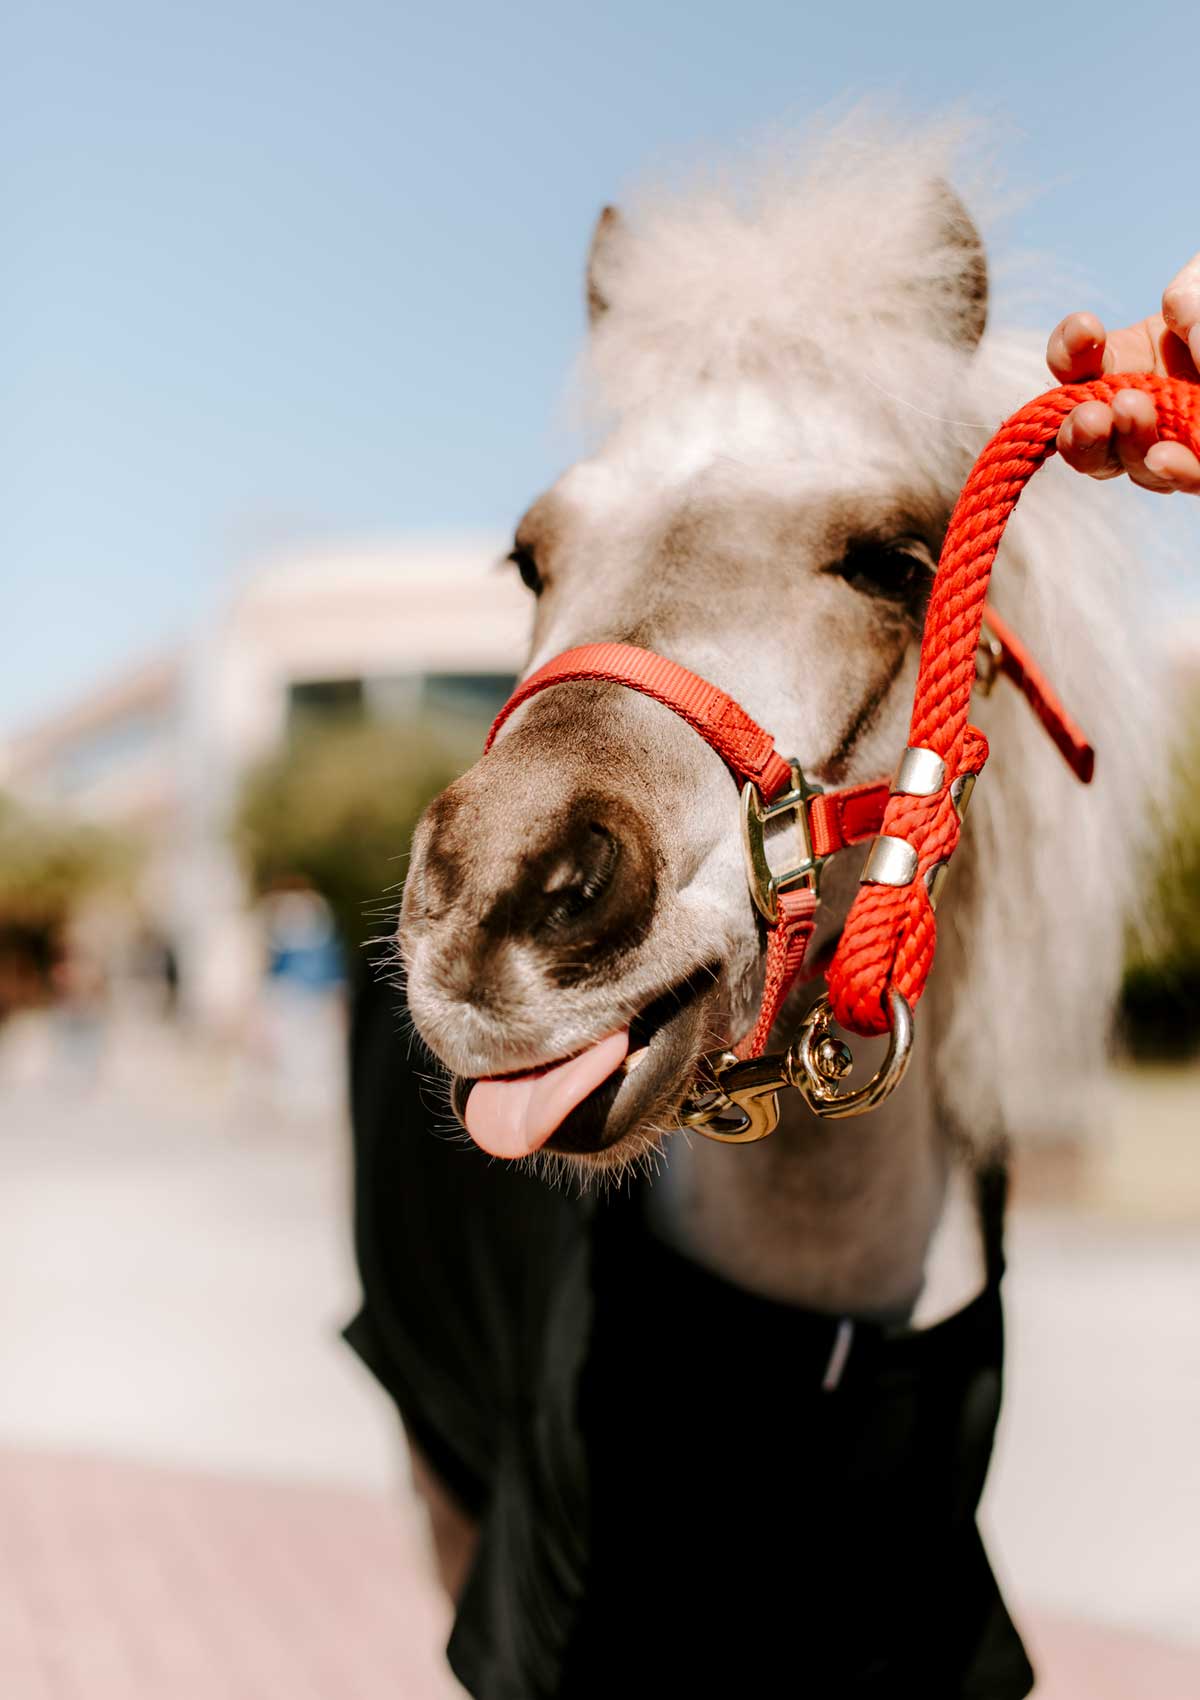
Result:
pixel 576 902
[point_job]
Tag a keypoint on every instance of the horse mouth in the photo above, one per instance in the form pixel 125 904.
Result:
pixel 638 1094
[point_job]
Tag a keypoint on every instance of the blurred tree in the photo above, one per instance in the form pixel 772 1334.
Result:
pixel 1162 981
pixel 48 867
pixel 336 809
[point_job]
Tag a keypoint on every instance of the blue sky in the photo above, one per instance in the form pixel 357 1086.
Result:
pixel 281 269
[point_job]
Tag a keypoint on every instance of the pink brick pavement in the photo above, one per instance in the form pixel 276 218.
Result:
pixel 120 1581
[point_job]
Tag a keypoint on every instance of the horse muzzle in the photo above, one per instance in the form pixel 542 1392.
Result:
pixel 550 964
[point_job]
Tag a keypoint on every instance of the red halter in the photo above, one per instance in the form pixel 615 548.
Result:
pixel 886 948
pixel 827 821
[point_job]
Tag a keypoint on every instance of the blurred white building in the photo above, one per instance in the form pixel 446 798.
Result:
pixel 159 752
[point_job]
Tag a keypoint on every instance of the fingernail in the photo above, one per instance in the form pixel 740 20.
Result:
pixel 1165 473
pixel 1085 347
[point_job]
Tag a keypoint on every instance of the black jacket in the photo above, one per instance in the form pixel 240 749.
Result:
pixel 671 1500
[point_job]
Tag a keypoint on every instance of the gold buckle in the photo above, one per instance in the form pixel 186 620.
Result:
pixel 764 885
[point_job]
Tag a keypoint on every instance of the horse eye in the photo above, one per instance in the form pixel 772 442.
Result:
pixel 901 571
pixel 525 564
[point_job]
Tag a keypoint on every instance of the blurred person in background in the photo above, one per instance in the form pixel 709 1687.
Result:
pixel 80 983
pixel 302 1008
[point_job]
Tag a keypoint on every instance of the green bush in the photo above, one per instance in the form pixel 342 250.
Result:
pixel 1162 982
pixel 336 808
pixel 47 866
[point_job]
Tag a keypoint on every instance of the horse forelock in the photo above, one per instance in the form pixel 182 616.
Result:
pixel 831 253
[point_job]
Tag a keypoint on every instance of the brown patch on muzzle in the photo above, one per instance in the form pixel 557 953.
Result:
pixel 528 869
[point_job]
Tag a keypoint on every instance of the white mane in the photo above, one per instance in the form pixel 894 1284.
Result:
pixel 840 271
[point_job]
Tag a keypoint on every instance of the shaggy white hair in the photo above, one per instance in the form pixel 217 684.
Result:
pixel 840 268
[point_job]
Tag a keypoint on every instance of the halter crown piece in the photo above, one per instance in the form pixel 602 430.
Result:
pixel 886 950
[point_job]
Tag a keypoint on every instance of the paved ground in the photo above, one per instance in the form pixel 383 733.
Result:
pixel 126 1582
pixel 174 1266
pixel 174 1269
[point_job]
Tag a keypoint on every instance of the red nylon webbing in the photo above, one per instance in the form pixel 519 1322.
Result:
pixel 1017 664
pixel 787 945
pixel 840 818
pixel 740 742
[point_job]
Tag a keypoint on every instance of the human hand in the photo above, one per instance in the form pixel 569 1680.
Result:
pixel 1105 441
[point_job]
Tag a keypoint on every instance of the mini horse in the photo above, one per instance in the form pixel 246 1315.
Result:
pixel 793 381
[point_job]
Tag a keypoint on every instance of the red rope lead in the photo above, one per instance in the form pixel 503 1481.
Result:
pixel 889 937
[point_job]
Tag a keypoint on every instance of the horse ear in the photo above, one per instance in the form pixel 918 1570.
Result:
pixel 958 235
pixel 606 240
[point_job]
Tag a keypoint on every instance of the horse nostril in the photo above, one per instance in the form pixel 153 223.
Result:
pixel 579 876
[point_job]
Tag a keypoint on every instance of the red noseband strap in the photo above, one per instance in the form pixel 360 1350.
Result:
pixel 741 743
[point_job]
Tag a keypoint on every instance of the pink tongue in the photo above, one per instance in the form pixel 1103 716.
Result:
pixel 511 1118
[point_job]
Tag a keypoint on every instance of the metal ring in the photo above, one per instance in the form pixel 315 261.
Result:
pixel 805 1074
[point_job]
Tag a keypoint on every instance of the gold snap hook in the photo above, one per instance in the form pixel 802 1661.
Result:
pixel 743 1103
pixel 816 1060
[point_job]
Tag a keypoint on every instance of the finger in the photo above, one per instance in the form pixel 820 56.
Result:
pixel 1136 348
pixel 1135 421
pixel 1076 348
pixel 1085 440
pixel 1175 465
pixel 1181 307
